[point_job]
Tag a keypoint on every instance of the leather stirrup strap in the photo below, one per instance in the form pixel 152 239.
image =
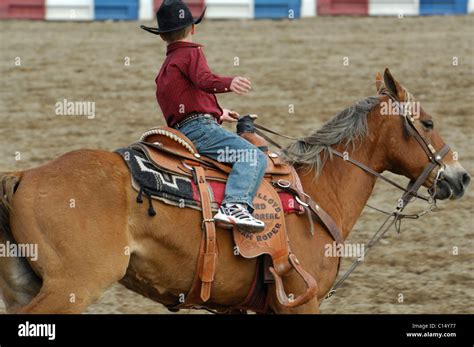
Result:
pixel 209 257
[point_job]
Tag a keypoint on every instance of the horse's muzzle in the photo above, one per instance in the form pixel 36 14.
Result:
pixel 453 184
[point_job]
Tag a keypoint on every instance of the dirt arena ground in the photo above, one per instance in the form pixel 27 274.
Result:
pixel 299 63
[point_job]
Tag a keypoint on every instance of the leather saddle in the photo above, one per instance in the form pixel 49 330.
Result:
pixel 171 151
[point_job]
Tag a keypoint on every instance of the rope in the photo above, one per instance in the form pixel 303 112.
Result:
pixel 397 220
pixel 375 238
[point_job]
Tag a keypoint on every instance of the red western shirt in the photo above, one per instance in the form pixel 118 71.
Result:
pixel 185 84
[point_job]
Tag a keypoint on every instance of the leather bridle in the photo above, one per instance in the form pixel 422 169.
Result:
pixel 410 192
pixel 435 160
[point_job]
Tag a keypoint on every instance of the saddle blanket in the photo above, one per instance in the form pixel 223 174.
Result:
pixel 179 190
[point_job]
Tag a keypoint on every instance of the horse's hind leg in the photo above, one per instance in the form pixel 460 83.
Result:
pixel 71 280
pixel 64 296
pixel 76 275
pixel 18 283
pixel 82 236
pixel 79 281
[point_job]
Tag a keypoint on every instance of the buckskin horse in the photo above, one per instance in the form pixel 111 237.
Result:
pixel 105 238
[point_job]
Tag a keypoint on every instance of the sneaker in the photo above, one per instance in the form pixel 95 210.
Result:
pixel 236 214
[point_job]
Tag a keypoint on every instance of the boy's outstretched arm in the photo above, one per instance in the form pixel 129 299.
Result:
pixel 240 85
pixel 202 77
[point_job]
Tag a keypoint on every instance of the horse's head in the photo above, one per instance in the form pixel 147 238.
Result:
pixel 411 140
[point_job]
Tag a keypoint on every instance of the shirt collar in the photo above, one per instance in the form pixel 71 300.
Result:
pixel 180 44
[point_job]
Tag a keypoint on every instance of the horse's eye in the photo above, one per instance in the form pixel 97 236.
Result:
pixel 428 124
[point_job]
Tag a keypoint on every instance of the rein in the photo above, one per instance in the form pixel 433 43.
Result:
pixel 409 193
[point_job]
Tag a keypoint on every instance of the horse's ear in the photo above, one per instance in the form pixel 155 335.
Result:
pixel 378 81
pixel 393 86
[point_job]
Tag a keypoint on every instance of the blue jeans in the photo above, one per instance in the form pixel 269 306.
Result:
pixel 248 162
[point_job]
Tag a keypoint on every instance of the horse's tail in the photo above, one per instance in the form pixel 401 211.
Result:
pixel 18 283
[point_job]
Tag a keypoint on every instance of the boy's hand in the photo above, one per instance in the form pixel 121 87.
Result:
pixel 240 85
pixel 229 116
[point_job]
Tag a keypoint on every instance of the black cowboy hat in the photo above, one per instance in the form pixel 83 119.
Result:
pixel 171 16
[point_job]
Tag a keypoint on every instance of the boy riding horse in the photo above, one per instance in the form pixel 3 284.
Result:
pixel 185 91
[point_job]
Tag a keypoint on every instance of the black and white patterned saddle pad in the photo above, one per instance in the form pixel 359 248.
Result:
pixel 171 188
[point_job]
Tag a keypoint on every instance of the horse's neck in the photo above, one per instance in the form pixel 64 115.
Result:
pixel 342 189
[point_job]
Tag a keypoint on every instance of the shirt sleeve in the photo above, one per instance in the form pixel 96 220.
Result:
pixel 202 77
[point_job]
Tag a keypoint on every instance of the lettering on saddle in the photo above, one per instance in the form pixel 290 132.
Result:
pixel 171 151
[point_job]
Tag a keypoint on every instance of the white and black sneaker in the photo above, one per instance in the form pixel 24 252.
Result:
pixel 237 215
